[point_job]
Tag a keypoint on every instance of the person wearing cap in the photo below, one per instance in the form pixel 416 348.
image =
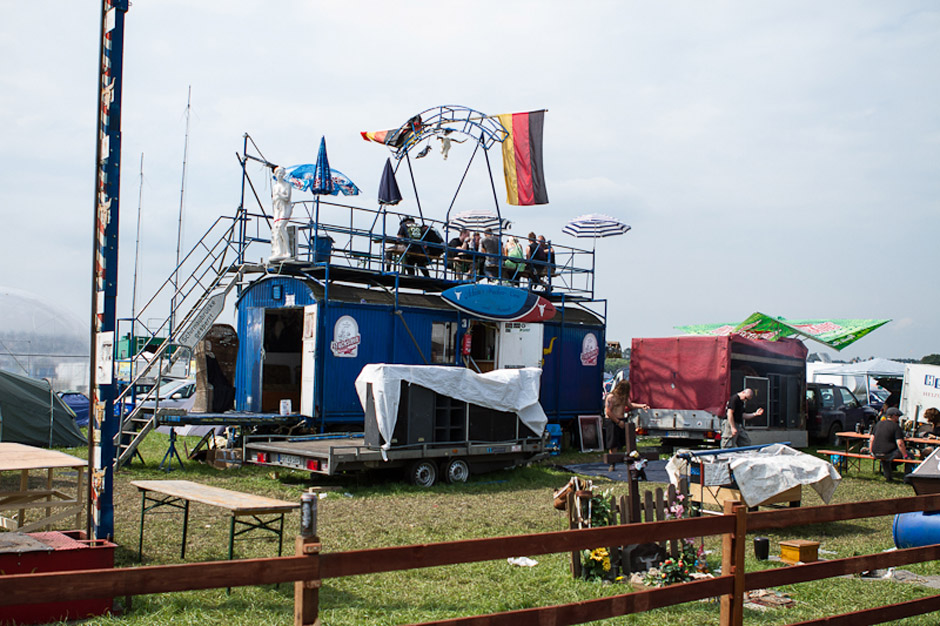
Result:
pixel 887 442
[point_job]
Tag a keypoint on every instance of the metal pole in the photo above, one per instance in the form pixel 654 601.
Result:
pixel 179 226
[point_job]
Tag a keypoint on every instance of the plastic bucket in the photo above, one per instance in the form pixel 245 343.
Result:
pixel 916 529
pixel 762 548
pixel 323 250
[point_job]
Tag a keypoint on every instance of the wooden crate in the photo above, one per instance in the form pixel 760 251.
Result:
pixel 799 550
pixel 717 496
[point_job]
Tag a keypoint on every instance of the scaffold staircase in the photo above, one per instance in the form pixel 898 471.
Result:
pixel 197 290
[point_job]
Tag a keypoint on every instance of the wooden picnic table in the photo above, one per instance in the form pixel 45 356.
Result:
pixel 17 457
pixel 854 442
pixel 179 493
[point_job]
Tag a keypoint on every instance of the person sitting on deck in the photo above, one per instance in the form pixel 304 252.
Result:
pixel 887 442
pixel 457 257
pixel 538 261
pixel 489 245
pixel 412 255
pixel 513 265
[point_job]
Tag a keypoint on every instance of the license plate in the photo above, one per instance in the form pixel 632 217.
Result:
pixel 291 460
pixel 677 434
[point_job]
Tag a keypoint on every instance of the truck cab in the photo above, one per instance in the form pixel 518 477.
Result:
pixel 833 408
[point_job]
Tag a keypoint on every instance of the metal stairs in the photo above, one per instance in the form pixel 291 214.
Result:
pixel 196 291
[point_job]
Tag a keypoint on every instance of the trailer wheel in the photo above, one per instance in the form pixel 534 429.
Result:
pixel 456 471
pixel 422 473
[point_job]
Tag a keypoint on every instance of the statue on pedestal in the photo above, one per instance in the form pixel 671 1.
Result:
pixel 282 207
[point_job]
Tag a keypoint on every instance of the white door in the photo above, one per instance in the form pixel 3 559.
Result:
pixel 308 361
pixel 519 345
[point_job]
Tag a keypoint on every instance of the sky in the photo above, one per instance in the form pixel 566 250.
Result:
pixel 780 156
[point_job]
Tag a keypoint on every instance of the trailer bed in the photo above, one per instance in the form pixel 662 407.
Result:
pixel 333 454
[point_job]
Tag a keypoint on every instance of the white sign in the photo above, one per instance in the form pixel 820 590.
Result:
pixel 346 338
pixel 520 345
pixel 589 350
pixel 202 322
pixel 104 361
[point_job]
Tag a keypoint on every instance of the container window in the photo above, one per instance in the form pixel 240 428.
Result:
pixel 443 341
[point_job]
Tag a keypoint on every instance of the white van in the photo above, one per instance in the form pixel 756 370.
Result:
pixel 920 391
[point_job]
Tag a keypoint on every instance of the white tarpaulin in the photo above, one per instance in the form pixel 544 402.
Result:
pixel 514 391
pixel 762 474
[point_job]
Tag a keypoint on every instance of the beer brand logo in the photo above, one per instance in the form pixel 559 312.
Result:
pixel 589 350
pixel 346 337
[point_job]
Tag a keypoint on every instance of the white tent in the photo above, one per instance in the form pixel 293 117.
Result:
pixel 857 376
pixel 877 368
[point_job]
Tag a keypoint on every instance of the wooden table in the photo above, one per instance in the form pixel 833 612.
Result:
pixel 855 441
pixel 58 504
pixel 179 493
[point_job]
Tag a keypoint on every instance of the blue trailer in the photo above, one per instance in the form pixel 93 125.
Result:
pixel 305 341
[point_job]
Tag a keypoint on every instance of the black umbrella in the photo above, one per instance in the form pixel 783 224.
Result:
pixel 388 187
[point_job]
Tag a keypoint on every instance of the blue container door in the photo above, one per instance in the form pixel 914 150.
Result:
pixel 248 372
pixel 352 337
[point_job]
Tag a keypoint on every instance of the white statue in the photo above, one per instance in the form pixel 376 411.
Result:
pixel 281 204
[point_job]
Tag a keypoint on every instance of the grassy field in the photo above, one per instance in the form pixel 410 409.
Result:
pixel 376 510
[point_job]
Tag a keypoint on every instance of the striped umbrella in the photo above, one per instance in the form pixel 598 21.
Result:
pixel 596 226
pixel 479 219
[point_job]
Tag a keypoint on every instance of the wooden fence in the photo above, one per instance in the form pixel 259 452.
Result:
pixel 650 505
pixel 309 567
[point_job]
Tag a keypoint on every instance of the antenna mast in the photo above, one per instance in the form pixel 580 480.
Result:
pixel 140 197
pixel 179 228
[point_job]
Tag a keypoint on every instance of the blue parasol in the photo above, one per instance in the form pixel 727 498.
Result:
pixel 301 177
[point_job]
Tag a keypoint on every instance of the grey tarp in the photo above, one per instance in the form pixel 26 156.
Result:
pixel 33 415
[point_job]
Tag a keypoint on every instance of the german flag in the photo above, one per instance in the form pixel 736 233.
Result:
pixel 522 158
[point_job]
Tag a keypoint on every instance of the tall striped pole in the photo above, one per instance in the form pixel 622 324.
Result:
pixel 103 425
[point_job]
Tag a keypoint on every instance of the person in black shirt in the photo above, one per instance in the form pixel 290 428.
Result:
pixel 887 442
pixel 733 434
pixel 538 260
pixel 458 253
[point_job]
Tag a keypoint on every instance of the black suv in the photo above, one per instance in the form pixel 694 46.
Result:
pixel 833 408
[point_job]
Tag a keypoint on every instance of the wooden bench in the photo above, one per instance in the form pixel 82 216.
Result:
pixel 847 457
pixel 179 493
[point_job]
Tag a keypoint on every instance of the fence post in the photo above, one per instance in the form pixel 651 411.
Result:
pixel 732 563
pixel 307 592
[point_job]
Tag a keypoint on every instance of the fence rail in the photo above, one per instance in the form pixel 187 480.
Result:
pixel 310 567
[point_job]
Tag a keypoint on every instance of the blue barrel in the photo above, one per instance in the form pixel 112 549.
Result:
pixel 913 530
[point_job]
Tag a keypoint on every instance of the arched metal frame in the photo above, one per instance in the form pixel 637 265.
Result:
pixel 446 120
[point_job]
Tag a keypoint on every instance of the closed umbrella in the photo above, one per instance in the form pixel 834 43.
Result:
pixel 388 187
pixel 595 226
pixel 479 219
pixel 322 183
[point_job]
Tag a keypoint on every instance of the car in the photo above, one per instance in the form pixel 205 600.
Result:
pixel 175 394
pixel 78 402
pixel 833 408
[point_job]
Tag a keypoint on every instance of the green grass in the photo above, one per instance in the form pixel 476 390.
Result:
pixel 375 510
